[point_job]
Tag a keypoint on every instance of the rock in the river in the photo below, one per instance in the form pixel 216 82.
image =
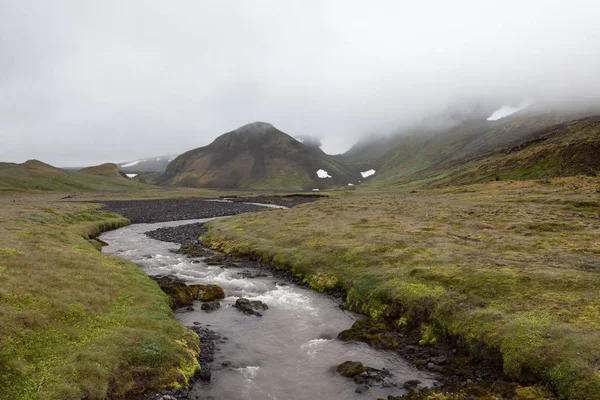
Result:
pixel 180 294
pixel 375 333
pixel 211 306
pixel 211 293
pixel 363 374
pixel 249 307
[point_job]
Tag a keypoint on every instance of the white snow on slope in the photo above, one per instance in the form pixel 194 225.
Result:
pixel 131 164
pixel 323 174
pixel 368 173
pixel 505 111
pixel 131 175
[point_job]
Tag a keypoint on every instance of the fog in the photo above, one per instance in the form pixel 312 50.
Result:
pixel 85 82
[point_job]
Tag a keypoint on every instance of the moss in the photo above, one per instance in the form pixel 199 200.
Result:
pixel 321 281
pixel 525 334
pixel 211 293
pixel 7 253
pixel 180 294
pixel 351 369
pixel 428 335
pixel 375 333
pixel 533 393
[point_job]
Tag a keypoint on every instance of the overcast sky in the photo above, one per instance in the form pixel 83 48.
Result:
pixel 84 81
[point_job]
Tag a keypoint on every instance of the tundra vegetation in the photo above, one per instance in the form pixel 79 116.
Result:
pixel 74 322
pixel 509 268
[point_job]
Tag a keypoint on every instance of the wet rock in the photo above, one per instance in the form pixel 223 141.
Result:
pixel 180 294
pixel 411 385
pixel 189 308
pixel 363 374
pixel 250 307
pixel 375 333
pixel 211 306
pixel 251 274
pixel 194 251
pixel 361 389
pixel 210 293
pixel 205 375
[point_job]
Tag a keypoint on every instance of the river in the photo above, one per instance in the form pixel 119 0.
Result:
pixel 289 353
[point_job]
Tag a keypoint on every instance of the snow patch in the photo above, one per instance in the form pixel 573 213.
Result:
pixel 351 184
pixel 368 173
pixel 505 111
pixel 315 190
pixel 131 175
pixel 131 164
pixel 323 174
pixel 158 159
pixel 171 159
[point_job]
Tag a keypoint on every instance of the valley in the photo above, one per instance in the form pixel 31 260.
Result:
pixel 474 275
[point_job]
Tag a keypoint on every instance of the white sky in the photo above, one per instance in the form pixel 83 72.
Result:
pixel 85 82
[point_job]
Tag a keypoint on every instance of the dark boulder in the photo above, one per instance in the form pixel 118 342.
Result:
pixel 211 306
pixel 249 307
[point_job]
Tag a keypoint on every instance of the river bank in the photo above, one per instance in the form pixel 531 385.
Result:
pixel 288 350
pixel 456 371
pixel 76 323
pixel 507 270
pixel 459 371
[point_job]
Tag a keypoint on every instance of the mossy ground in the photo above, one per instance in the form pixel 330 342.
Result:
pixel 74 322
pixel 511 266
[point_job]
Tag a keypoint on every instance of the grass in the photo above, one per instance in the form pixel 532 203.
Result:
pixel 36 176
pixel 511 267
pixel 74 322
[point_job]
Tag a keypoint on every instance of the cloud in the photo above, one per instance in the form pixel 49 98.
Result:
pixel 88 82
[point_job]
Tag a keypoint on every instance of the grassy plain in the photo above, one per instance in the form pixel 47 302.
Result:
pixel 512 268
pixel 74 322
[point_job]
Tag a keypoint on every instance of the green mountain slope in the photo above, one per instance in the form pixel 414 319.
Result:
pixel 36 175
pixel 399 157
pixel 566 149
pixel 258 156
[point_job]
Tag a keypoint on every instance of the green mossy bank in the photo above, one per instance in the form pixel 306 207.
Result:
pixel 77 323
pixel 510 268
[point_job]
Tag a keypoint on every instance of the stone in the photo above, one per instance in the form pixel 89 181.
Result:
pixel 249 307
pixel 180 294
pixel 361 389
pixel 205 375
pixel 211 293
pixel 211 306
pixel 411 385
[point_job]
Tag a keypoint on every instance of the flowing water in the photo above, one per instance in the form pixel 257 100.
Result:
pixel 289 353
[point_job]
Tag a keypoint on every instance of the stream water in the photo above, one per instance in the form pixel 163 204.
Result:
pixel 289 353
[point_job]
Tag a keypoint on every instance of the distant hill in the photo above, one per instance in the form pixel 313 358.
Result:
pixel 565 149
pixel 150 164
pixel 36 175
pixel 401 158
pixel 259 156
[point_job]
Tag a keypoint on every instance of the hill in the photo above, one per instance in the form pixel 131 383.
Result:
pixel 259 156
pixel 399 157
pixel 36 175
pixel 565 149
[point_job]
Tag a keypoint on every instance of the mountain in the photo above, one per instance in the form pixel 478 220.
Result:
pixel 401 157
pixel 565 149
pixel 150 164
pixel 259 156
pixel 36 175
